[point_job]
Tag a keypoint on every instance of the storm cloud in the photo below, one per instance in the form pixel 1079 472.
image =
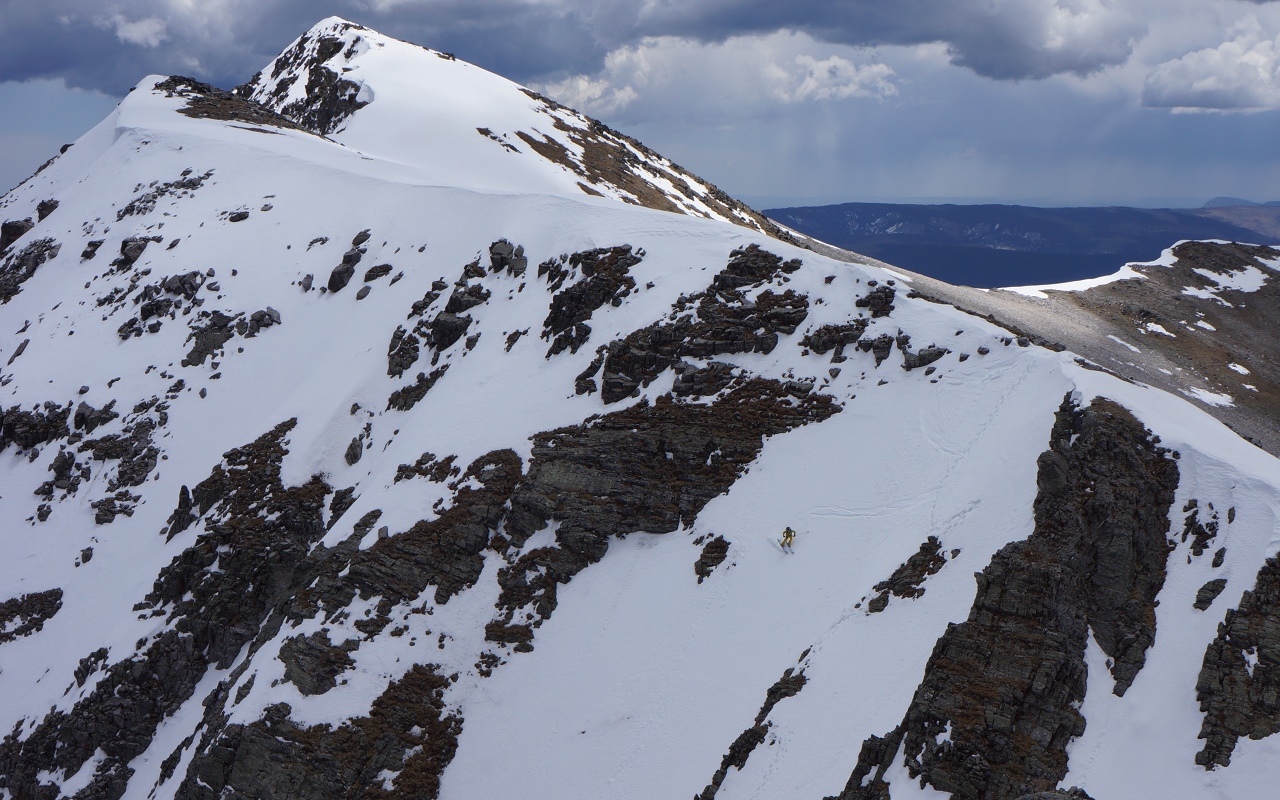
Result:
pixel 107 46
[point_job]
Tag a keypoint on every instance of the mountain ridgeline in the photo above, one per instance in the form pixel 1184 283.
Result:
pixel 1006 245
pixel 383 429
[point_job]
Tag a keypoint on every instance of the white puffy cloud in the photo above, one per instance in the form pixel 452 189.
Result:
pixel 597 94
pixel 146 32
pixel 835 78
pixel 1241 74
pixel 741 76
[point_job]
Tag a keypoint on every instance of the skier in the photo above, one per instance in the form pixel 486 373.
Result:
pixel 788 536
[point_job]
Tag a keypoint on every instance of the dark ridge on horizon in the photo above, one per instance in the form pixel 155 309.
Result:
pixel 990 245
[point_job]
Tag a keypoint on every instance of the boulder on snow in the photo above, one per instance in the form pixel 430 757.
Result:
pixel 343 273
pixel 13 230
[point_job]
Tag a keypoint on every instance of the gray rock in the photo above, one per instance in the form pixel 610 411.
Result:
pixel 313 663
pixel 1208 593
pixel 131 249
pixel 341 276
pixel 342 273
pixel 789 685
pixel 91 249
pixel 13 230
pixel 880 347
pixel 354 451
pixel 25 615
pixel 713 555
pixel 505 256
pixel 879 301
pixel 1238 683
pixel 447 328
pixel 18 268
pixel 606 281
pixel 406 398
pixel 725 322
pixel 908 579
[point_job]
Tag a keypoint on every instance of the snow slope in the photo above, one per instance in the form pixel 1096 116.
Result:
pixel 644 675
pixel 463 126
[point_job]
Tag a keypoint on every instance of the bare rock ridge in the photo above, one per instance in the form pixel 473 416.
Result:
pixel 209 102
pixel 22 616
pixel 789 685
pixel 409 732
pixel 327 99
pixel 609 159
pixel 1001 693
pixel 1239 683
pixel 1195 327
pixel 718 321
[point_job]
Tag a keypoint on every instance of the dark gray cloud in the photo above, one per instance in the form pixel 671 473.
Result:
pixel 1006 39
pixel 108 46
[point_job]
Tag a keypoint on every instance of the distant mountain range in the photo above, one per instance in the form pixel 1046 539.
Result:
pixel 1007 245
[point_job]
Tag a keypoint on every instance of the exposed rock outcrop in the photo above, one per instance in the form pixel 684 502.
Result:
pixel 326 100
pixel 1001 692
pixel 19 267
pixel 789 685
pixel 907 581
pixel 313 663
pixel 834 337
pixel 605 280
pixel 646 468
pixel 713 555
pixel 25 615
pixel 879 301
pixel 409 735
pixel 13 230
pixel 719 321
pixel 1239 684
pixel 1209 592
pixel 209 102
pixel 445 552
pixel 406 398
pixel 27 429
pixel 215 595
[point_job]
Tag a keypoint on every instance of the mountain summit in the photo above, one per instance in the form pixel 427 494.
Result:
pixel 458 125
pixel 374 430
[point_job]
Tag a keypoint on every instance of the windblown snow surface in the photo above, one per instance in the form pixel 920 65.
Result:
pixel 644 676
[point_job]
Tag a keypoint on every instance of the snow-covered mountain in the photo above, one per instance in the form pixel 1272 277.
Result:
pixel 376 430
pixel 455 124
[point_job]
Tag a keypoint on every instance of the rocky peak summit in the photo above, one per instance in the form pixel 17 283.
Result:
pixel 466 126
